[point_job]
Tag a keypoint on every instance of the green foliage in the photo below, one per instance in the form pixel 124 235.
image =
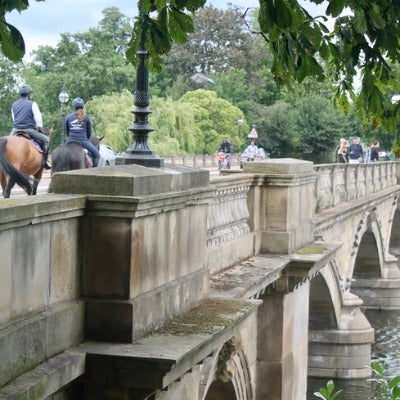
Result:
pixel 328 392
pixel 301 45
pixel 111 116
pixel 179 126
pixel 307 129
pixel 175 129
pixel 216 118
pixel 8 83
pixel 386 388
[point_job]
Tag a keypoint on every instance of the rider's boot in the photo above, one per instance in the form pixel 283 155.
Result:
pixel 96 161
pixel 45 162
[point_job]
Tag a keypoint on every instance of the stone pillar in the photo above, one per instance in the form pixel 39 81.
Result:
pixel 144 253
pixel 287 203
pixel 282 343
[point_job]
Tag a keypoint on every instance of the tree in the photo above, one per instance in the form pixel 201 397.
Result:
pixel 301 45
pixel 8 93
pixel 216 118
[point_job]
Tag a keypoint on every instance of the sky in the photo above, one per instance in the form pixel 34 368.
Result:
pixel 42 22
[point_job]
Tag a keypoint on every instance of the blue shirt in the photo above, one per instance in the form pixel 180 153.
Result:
pixel 79 131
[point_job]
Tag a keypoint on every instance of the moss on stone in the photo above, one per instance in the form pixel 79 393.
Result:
pixel 208 317
pixel 230 281
pixel 311 249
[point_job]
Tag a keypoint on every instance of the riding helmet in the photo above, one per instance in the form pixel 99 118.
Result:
pixel 25 89
pixel 78 103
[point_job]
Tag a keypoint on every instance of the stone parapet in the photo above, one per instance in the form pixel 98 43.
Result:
pixel 340 183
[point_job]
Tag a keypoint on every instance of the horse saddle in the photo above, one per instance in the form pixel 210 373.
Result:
pixel 27 136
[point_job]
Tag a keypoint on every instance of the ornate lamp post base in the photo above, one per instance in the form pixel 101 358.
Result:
pixel 146 159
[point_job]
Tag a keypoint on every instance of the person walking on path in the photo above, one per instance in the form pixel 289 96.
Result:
pixel 355 151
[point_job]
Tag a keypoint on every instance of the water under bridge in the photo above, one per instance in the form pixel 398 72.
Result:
pixel 136 283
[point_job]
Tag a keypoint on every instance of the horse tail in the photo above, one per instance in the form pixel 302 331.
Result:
pixel 10 170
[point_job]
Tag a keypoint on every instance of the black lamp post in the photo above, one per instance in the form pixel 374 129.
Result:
pixel 139 152
pixel 63 99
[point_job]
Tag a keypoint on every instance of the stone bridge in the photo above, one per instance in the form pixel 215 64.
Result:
pixel 136 283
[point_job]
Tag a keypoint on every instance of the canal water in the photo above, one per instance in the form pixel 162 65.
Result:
pixel 386 349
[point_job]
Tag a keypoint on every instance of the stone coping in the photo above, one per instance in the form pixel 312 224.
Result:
pixel 129 180
pixel 285 166
pixel 46 379
pixel 334 215
pixel 250 278
pixel 159 359
pixel 35 209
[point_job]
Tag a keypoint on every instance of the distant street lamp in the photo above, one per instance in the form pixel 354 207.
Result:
pixel 63 99
pixel 239 123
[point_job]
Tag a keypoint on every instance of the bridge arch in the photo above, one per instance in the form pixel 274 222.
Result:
pixel 324 306
pixel 394 233
pixel 230 379
pixel 368 250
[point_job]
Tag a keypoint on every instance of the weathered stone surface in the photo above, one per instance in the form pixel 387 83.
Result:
pixel 27 343
pixel 279 166
pixel 129 180
pixel 126 321
pixel 159 359
pixel 49 377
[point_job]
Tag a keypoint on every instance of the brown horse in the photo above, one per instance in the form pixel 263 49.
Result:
pixel 67 157
pixel 19 159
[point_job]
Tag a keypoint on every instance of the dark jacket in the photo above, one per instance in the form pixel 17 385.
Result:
pixel 355 151
pixel 226 147
pixel 79 131
pixel 374 154
pixel 23 114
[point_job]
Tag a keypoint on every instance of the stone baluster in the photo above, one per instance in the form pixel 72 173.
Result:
pixel 369 179
pixel 361 181
pixel 324 188
pixel 339 184
pixel 351 187
pixel 383 172
pixel 227 216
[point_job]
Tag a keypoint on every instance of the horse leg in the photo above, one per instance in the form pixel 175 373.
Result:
pixel 37 177
pixel 9 186
pixel 3 180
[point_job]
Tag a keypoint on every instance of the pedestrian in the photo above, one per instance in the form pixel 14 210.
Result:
pixel 342 151
pixel 375 152
pixel 355 151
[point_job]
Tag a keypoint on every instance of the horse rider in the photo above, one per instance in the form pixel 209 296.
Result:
pixel 28 118
pixel 78 126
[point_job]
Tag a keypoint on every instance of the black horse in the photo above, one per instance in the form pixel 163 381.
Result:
pixel 67 157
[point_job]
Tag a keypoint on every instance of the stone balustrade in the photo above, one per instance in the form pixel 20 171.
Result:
pixel 227 215
pixel 198 160
pixel 340 183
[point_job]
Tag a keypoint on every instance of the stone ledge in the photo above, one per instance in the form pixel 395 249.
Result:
pixel 157 360
pixel 37 209
pixel 47 378
pixel 129 180
pixel 26 343
pixel 355 373
pixel 251 278
pixel 338 337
